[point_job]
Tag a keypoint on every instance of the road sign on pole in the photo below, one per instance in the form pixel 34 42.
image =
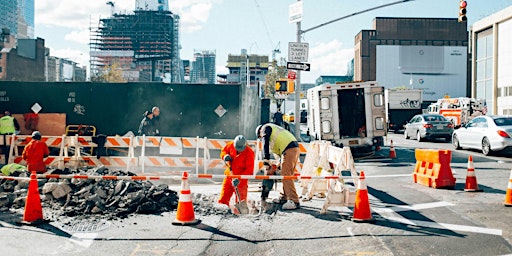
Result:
pixel 298 52
pixel 298 66
pixel 292 75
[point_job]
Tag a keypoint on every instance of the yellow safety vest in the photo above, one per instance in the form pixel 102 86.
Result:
pixel 7 125
pixel 280 138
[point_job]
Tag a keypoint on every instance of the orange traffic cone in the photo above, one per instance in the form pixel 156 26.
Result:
pixel 362 212
pixel 185 213
pixel 33 213
pixel 508 197
pixel 471 184
pixel 392 153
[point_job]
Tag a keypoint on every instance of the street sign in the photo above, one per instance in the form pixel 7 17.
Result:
pixel 298 66
pixel 298 52
pixel 292 75
pixel 295 11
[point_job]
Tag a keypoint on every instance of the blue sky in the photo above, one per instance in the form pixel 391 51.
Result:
pixel 260 26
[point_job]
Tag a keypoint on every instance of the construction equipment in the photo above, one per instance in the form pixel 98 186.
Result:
pixel 240 205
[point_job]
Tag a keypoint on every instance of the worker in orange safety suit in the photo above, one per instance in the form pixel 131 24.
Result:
pixel 35 152
pixel 240 159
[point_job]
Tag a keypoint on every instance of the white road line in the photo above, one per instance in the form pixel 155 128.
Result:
pixel 83 239
pixel 414 207
pixel 454 227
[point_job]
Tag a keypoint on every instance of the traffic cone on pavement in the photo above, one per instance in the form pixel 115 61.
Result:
pixel 471 184
pixel 362 212
pixel 185 212
pixel 392 153
pixel 508 196
pixel 33 213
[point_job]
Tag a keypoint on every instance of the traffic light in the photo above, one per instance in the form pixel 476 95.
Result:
pixel 285 85
pixel 462 11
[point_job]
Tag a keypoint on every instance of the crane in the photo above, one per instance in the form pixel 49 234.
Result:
pixel 111 7
pixel 277 49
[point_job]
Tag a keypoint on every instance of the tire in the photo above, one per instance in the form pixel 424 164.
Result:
pixel 418 137
pixel 455 142
pixel 486 147
pixel 405 135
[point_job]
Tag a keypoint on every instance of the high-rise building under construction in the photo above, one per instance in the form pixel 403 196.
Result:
pixel 143 45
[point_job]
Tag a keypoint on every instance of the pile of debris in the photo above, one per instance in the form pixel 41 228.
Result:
pixel 77 197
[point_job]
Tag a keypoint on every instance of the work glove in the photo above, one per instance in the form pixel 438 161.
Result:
pixel 227 158
pixel 235 182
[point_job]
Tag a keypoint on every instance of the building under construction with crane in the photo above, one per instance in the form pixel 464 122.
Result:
pixel 143 45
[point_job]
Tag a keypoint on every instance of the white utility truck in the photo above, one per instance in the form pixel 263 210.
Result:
pixel 349 114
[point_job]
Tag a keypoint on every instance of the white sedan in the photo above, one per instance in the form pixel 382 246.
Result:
pixel 486 133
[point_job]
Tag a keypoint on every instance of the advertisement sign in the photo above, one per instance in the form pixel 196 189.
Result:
pixel 437 70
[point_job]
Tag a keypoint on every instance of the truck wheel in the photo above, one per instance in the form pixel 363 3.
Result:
pixel 418 137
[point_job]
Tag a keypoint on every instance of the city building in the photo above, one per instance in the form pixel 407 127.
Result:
pixel 491 79
pixel 63 70
pixel 203 67
pixel 239 65
pixel 420 53
pixel 23 62
pixel 332 79
pixel 18 17
pixel 152 5
pixel 144 45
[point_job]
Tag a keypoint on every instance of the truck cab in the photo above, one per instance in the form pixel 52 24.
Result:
pixel 348 114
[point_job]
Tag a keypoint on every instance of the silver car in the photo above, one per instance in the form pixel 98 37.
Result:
pixel 487 133
pixel 428 126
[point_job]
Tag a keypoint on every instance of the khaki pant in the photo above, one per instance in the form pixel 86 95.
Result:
pixel 289 160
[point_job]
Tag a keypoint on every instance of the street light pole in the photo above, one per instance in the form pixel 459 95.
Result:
pixel 297 90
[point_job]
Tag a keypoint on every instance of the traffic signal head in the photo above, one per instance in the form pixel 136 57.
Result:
pixel 462 11
pixel 285 85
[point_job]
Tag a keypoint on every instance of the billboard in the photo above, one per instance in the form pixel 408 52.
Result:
pixel 437 70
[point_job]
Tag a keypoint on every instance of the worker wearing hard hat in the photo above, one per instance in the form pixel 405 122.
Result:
pixel 281 142
pixel 35 152
pixel 240 159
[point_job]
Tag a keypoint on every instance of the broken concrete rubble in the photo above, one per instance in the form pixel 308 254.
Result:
pixel 77 197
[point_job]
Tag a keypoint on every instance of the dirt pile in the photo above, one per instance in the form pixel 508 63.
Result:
pixel 78 197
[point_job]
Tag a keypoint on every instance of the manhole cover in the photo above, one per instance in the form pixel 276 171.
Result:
pixel 86 225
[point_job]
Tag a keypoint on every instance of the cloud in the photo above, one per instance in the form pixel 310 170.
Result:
pixel 82 58
pixel 193 14
pixel 329 58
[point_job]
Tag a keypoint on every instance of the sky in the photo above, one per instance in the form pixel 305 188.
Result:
pixel 259 26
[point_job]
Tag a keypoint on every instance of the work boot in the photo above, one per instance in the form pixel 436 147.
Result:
pixel 291 205
pixel 280 200
pixel 221 207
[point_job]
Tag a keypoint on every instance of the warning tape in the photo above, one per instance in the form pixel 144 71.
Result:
pixel 200 176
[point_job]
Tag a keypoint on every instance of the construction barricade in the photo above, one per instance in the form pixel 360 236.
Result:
pixel 324 161
pixel 134 153
pixel 433 168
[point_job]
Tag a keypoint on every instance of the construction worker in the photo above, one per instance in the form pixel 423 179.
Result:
pixel 35 152
pixel 147 127
pixel 8 125
pixel 156 119
pixel 281 142
pixel 240 160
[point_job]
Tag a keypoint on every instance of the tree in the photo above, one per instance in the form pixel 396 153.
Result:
pixel 276 72
pixel 110 74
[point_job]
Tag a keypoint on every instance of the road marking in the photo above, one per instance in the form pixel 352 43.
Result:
pixel 83 239
pixel 447 226
pixel 414 207
pixel 388 211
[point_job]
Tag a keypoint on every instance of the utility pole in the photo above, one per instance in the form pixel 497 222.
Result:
pixel 297 90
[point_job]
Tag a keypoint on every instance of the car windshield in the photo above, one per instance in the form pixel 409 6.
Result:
pixel 503 121
pixel 434 118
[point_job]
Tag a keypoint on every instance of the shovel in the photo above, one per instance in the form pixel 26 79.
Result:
pixel 240 205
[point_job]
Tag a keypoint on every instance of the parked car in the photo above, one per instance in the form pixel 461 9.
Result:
pixel 428 126
pixel 488 133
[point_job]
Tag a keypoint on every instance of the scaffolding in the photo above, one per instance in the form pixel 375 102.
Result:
pixel 144 45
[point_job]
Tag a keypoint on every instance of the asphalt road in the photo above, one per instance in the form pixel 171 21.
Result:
pixel 410 219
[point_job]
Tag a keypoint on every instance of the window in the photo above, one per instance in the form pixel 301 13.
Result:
pixel 377 100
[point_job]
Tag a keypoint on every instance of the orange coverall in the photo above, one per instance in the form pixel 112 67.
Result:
pixel 34 153
pixel 242 164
